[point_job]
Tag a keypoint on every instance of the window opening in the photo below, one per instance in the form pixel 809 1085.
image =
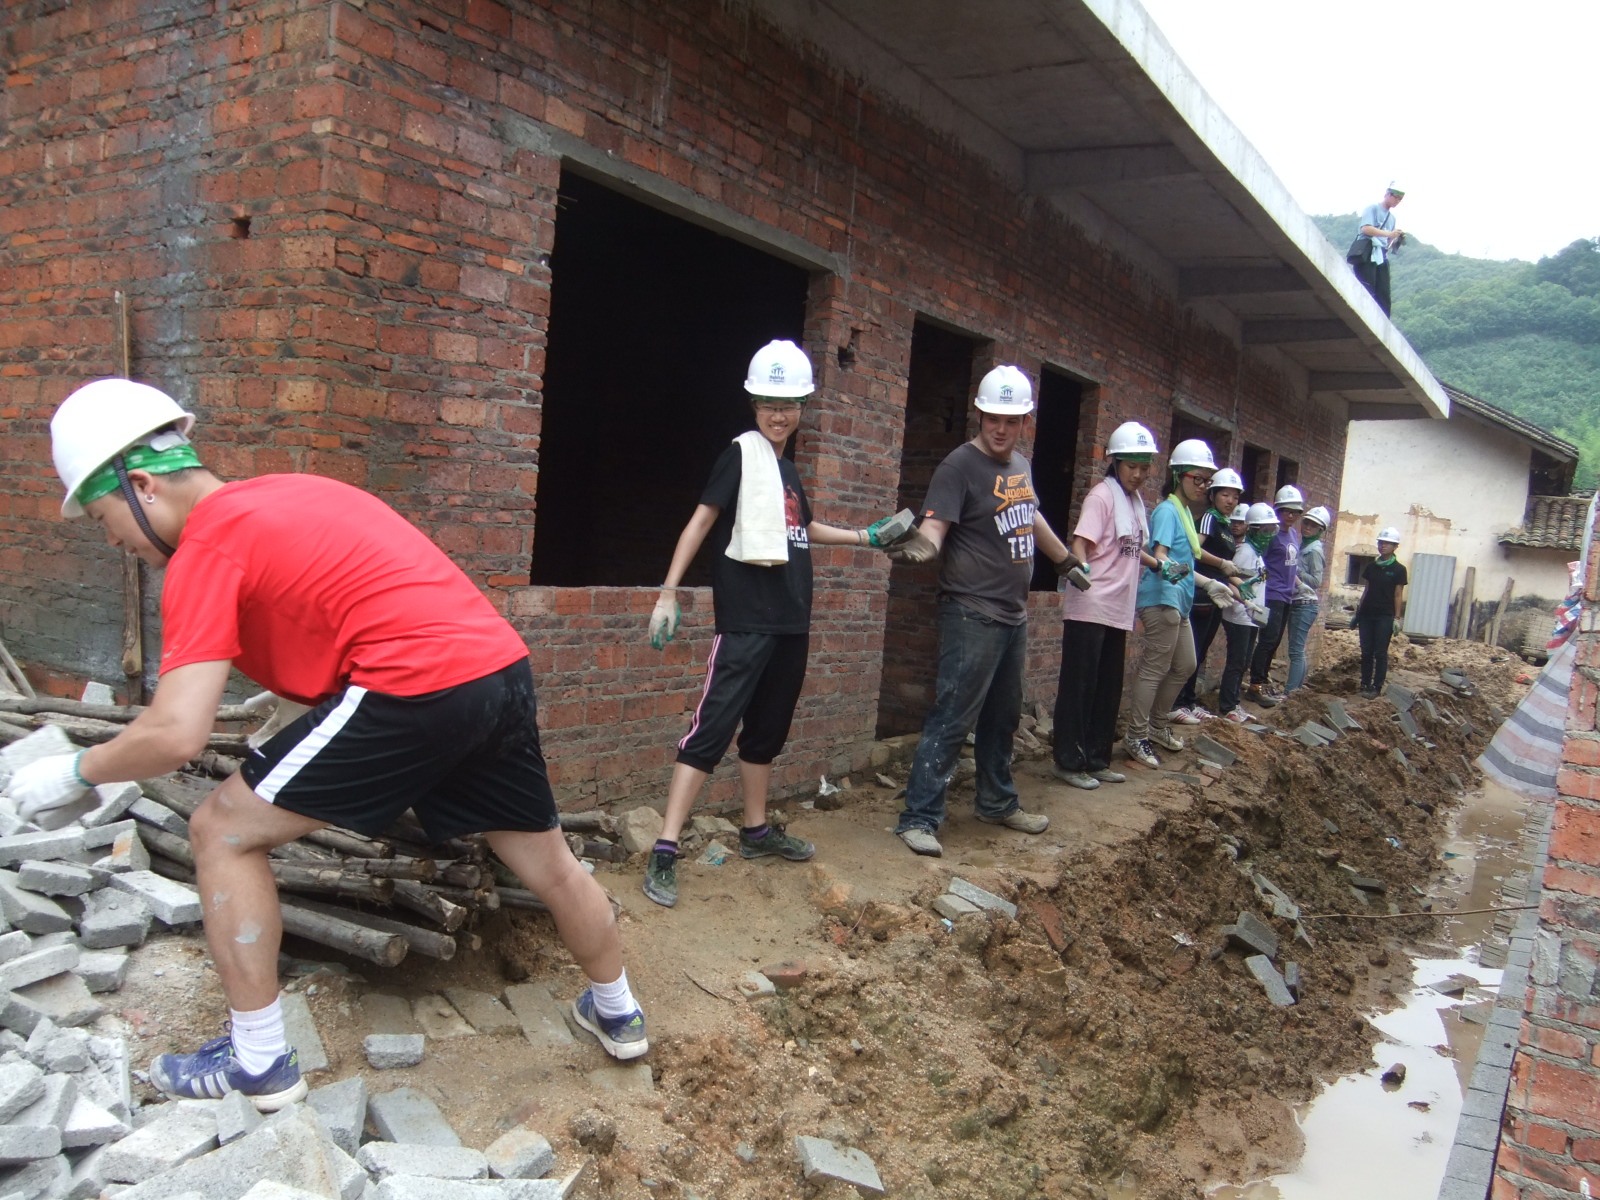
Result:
pixel 1288 472
pixel 1254 464
pixel 1358 564
pixel 1055 460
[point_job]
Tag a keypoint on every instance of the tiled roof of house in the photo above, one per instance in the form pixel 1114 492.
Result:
pixel 1558 448
pixel 1553 523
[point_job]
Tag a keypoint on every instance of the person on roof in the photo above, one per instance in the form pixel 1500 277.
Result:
pixel 1377 238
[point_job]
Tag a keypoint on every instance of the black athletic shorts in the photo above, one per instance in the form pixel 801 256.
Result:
pixel 465 759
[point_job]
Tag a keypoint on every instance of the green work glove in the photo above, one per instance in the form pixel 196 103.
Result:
pixel 664 620
pixel 1173 571
pixel 890 530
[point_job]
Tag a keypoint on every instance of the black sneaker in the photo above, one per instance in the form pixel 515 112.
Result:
pixel 661 878
pixel 777 841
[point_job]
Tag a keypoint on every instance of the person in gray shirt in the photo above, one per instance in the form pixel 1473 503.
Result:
pixel 982 519
pixel 1377 238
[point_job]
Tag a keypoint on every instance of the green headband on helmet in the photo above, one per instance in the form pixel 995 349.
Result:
pixel 1138 460
pixel 138 457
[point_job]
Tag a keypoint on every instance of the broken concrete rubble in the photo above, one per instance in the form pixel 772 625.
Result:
pixel 822 1158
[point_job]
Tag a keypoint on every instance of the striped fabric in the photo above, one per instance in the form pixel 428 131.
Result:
pixel 1526 750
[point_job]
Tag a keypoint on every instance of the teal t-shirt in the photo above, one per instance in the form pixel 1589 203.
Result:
pixel 1166 529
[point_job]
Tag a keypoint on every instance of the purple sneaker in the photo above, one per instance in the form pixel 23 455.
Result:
pixel 623 1037
pixel 211 1072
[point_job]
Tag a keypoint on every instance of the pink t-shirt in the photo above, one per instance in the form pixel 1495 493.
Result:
pixel 1113 564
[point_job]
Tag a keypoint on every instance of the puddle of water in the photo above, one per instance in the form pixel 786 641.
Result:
pixel 1363 1139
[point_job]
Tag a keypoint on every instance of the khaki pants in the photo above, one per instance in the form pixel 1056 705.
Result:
pixel 1166 659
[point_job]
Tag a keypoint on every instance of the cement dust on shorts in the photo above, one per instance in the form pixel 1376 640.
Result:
pixel 1101 1045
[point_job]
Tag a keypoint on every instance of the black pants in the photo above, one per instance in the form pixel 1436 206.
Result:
pixel 1375 278
pixel 1375 633
pixel 1267 641
pixel 1241 641
pixel 750 677
pixel 1203 620
pixel 1088 694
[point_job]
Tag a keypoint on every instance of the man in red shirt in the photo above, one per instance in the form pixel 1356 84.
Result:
pixel 421 697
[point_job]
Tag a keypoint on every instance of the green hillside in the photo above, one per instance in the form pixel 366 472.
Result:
pixel 1524 336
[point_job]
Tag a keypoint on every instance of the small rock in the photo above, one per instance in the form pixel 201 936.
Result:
pixel 390 1051
pixel 638 829
pixel 1394 1076
pixel 753 985
pixel 785 975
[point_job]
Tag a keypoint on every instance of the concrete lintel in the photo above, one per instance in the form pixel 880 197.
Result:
pixel 1239 281
pixel 661 193
pixel 1359 411
pixel 1272 333
pixel 1058 170
pixel 1356 381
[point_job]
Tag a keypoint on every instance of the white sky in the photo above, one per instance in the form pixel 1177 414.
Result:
pixel 1484 112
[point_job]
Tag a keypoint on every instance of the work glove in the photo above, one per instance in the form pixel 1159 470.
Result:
pixel 1221 594
pixel 890 530
pixel 915 547
pixel 664 620
pixel 1173 571
pixel 42 787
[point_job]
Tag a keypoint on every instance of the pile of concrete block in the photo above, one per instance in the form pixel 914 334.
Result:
pixel 224 1149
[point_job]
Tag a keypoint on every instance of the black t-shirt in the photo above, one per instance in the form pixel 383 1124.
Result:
pixel 1216 537
pixel 748 598
pixel 987 560
pixel 1378 599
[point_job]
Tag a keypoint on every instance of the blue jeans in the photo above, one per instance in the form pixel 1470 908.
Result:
pixel 1302 620
pixel 979 687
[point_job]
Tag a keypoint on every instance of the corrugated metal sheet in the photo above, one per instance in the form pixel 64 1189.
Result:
pixel 1433 578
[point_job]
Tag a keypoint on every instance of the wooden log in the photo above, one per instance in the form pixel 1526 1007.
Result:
pixel 349 843
pixel 168 845
pixel 92 729
pixel 14 672
pixel 424 941
pixel 419 898
pixel 1493 636
pixel 178 792
pixel 522 898
pixel 108 712
pixel 1453 625
pixel 591 820
pixel 302 852
pixel 484 899
pixel 602 850
pixel 132 626
pixel 423 870
pixel 331 880
pixel 1469 588
pixel 461 874
pixel 374 945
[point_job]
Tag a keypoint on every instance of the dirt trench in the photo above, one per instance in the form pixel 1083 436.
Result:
pixel 1104 1043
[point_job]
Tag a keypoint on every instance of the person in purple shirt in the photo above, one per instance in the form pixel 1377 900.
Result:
pixel 1283 559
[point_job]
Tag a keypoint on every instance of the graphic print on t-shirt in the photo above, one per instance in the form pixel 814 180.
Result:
pixel 1013 516
pixel 793 519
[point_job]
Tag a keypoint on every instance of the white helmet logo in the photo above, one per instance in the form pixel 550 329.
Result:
pixel 1143 440
pixel 775 375
pixel 1005 394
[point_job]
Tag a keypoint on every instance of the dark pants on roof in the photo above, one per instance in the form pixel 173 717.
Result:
pixel 1375 278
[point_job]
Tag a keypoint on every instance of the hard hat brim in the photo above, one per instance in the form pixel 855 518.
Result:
pixel 1003 410
pixel 781 391
pixel 71 509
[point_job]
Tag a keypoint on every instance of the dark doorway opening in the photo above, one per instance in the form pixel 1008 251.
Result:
pixel 938 391
pixel 652 325
pixel 1253 468
pixel 1288 472
pixel 1219 439
pixel 1055 461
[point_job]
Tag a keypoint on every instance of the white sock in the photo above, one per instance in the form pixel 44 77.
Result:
pixel 613 999
pixel 258 1037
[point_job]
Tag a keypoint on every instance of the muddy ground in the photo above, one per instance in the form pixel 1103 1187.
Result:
pixel 1104 1044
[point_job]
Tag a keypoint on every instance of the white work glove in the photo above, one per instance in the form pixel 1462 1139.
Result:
pixel 664 620
pixel 46 785
pixel 914 548
pixel 1221 594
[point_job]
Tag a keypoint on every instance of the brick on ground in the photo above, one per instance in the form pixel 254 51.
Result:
pixel 112 801
pixel 301 1031
pixel 40 964
pixel 439 1019
pixel 482 1011
pixel 343 1109
pixel 43 1179
pixel 820 1157
pixel 407 1115
pixel 392 1051
pixel 417 1187
pixel 158 815
pixel 67 1051
pixel 171 1138
pixel 171 902
pixel 119 846
pixel 1271 982
pixel 113 918
pixel 1253 934
pixel 951 906
pixel 520 1154
pixel 289 1147
pixel 14 944
pixel 88 1124
pixel 45 846
pixel 35 1132
pixel 388 1014
pixel 65 999
pixel 102 970
pixel 382 1159
pixel 973 894
pixel 57 878
pixel 29 911
pixel 235 1116
pixel 21 1083
pixel 543 1019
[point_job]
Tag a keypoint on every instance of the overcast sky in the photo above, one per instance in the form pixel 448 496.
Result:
pixel 1484 112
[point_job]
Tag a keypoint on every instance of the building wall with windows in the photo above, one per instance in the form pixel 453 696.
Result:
pixel 343 229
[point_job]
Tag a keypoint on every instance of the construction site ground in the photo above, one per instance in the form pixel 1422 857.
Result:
pixel 1102 1044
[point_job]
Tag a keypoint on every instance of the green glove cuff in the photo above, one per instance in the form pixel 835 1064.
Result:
pixel 76 759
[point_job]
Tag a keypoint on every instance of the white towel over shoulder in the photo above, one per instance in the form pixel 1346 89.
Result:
pixel 760 530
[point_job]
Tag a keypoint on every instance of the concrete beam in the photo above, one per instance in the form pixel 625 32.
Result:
pixel 1275 333
pixel 1197 282
pixel 1355 381
pixel 1360 411
pixel 1064 170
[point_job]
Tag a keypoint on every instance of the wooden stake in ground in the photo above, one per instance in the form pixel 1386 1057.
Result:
pixel 132 587
pixel 1493 636
pixel 15 673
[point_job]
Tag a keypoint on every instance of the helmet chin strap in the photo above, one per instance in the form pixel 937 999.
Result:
pixel 132 497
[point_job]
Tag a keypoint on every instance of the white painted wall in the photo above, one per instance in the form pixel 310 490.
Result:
pixel 1452 487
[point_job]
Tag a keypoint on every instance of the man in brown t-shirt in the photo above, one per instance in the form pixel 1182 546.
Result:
pixel 982 519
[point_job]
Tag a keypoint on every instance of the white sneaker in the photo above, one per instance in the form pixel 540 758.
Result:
pixel 1165 739
pixel 1077 779
pixel 1183 716
pixel 1022 822
pixel 922 842
pixel 1201 713
pixel 1239 717
pixel 1141 751
pixel 1109 776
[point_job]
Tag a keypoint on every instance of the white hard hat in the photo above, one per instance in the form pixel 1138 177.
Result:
pixel 780 369
pixel 1321 516
pixel 1261 513
pixel 1227 478
pixel 1289 497
pixel 99 421
pixel 1192 453
pixel 1006 391
pixel 1131 438
pixel 1389 534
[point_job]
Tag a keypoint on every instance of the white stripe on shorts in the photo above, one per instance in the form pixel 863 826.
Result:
pixel 327 729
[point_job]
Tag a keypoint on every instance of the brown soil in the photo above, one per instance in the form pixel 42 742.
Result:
pixel 1102 1044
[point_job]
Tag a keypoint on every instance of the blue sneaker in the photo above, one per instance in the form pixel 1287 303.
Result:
pixel 211 1072
pixel 623 1037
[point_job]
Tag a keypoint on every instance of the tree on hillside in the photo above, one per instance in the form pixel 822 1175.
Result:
pixel 1577 268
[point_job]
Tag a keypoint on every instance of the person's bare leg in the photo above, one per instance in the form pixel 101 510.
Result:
pixel 755 781
pixel 231 832
pixel 578 904
pixel 685 786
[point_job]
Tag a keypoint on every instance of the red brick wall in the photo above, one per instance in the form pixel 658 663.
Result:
pixel 384 320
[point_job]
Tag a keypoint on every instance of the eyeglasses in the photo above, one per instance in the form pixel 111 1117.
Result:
pixel 771 409
pixel 1197 476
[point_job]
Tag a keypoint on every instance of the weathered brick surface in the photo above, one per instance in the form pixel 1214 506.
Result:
pixel 338 256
